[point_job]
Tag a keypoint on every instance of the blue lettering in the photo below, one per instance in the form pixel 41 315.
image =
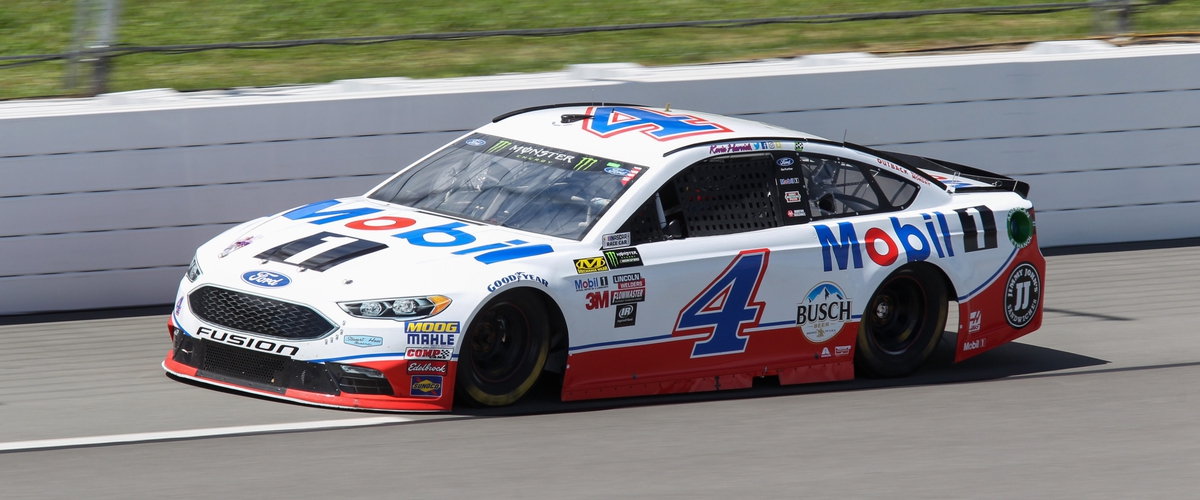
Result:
pixel 608 121
pixel 848 247
pixel 906 231
pixel 314 210
pixel 513 253
pixel 417 237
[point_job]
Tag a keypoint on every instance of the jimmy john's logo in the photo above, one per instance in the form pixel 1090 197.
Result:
pixel 1022 295
pixel 590 265
pixel 247 342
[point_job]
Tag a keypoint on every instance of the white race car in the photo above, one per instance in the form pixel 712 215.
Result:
pixel 629 251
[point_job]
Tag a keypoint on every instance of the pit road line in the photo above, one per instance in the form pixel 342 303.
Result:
pixel 143 437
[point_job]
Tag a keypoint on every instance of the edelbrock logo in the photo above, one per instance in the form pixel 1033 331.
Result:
pixel 266 279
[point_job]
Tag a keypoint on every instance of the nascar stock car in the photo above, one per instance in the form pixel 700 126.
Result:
pixel 628 250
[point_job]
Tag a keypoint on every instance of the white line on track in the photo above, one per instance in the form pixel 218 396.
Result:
pixel 141 437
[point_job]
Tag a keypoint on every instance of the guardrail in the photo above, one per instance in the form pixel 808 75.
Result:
pixel 105 199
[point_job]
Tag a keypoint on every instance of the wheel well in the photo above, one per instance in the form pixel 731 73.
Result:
pixel 559 341
pixel 925 267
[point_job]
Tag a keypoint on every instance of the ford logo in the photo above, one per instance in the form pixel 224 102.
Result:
pixel 616 171
pixel 785 162
pixel 266 279
pixel 476 142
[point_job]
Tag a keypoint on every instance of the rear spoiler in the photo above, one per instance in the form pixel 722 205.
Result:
pixel 996 182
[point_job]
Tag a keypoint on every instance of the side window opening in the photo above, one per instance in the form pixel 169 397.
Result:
pixel 716 196
pixel 898 192
pixel 838 187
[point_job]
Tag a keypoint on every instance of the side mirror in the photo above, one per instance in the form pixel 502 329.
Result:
pixel 674 229
pixel 825 203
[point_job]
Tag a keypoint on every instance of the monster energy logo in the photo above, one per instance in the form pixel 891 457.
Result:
pixel 585 163
pixel 499 145
pixel 623 258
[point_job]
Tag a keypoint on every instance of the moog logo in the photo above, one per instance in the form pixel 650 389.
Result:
pixel 266 279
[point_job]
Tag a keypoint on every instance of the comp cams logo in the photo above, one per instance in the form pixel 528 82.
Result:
pixel 1022 295
pixel 823 311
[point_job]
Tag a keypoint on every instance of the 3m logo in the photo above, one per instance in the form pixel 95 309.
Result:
pixel 590 265
pixel 609 121
pixel 585 163
pixel 499 146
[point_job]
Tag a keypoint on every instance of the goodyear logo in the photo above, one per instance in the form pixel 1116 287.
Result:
pixel 432 327
pixel 426 386
pixel 590 265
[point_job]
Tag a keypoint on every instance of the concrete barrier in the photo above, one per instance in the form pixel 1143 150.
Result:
pixel 103 200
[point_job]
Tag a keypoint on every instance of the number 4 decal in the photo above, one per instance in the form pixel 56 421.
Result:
pixel 723 311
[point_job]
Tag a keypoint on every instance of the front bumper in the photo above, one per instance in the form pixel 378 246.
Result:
pixel 328 384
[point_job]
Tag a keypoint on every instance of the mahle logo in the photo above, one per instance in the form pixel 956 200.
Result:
pixel 585 163
pixel 499 146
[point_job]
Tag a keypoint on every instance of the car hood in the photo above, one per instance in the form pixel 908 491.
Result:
pixel 361 248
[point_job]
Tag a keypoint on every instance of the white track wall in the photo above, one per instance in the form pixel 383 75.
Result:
pixel 102 201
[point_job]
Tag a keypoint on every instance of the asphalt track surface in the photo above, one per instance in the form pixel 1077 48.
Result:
pixel 1102 402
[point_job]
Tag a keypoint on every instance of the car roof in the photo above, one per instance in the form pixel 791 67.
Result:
pixel 635 134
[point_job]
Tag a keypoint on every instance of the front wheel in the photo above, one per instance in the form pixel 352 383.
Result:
pixel 902 323
pixel 504 350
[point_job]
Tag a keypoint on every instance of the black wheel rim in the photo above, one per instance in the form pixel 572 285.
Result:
pixel 894 315
pixel 500 343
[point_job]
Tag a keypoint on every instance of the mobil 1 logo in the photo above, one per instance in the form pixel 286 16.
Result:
pixel 1022 295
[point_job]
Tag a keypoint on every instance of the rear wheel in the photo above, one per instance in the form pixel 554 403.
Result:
pixel 902 323
pixel 504 350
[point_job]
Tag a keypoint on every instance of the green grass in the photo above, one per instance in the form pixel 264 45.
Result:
pixel 44 26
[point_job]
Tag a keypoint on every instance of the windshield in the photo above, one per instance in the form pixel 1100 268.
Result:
pixel 513 184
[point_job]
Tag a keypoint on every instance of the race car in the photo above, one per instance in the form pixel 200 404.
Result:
pixel 628 250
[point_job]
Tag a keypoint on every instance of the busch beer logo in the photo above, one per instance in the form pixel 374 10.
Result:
pixel 1022 295
pixel 823 312
pixel 609 121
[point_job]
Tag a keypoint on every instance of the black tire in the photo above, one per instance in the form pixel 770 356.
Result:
pixel 504 350
pixel 902 323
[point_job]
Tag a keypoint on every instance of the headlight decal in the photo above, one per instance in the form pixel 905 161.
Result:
pixel 401 308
